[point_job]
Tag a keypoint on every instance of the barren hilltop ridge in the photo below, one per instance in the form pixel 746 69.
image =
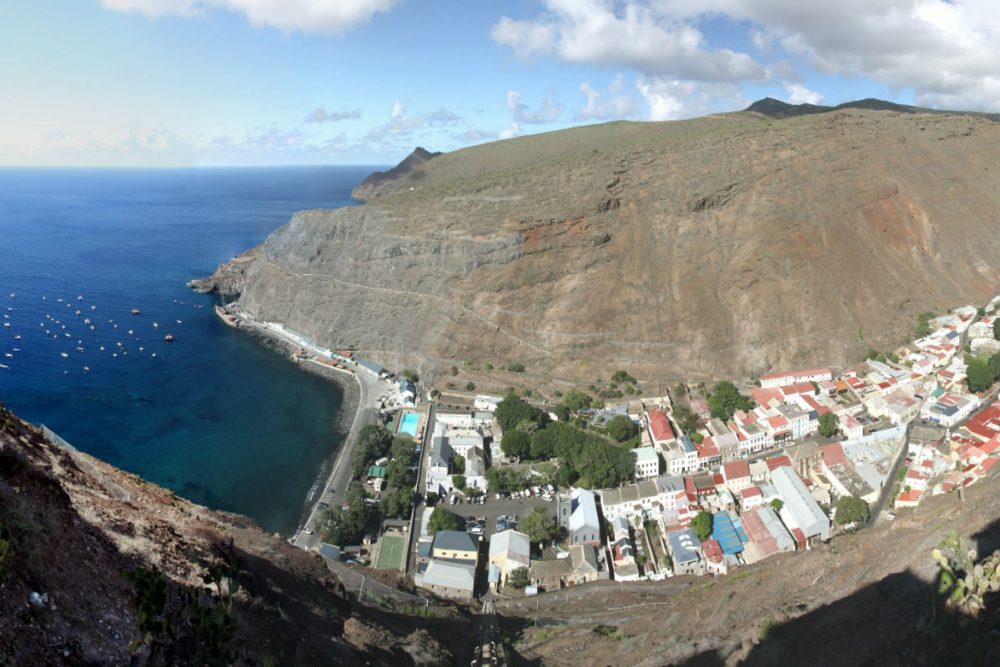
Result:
pixel 722 246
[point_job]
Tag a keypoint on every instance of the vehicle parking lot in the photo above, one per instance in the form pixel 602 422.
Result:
pixel 486 515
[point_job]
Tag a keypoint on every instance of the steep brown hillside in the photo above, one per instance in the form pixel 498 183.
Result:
pixel 71 527
pixel 721 246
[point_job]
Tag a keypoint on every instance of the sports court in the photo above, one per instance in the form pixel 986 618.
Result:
pixel 390 553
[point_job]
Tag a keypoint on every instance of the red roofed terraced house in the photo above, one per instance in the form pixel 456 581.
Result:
pixel 782 379
pixel 985 424
pixel 736 475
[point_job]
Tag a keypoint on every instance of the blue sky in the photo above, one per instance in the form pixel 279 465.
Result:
pixel 259 82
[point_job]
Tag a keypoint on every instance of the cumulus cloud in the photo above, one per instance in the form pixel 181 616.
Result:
pixel 946 51
pixel 600 107
pixel 402 125
pixel 673 99
pixel 623 34
pixel 330 17
pixel 546 113
pixel 510 132
pixel 321 115
pixel 799 94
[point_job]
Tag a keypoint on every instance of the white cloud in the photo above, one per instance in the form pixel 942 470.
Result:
pixel 673 99
pixel 401 126
pixel 946 51
pixel 799 94
pixel 330 17
pixel 321 115
pixel 509 132
pixel 616 105
pixel 548 112
pixel 623 34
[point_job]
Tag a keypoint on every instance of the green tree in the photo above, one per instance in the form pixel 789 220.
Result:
pixel 515 367
pixel 777 504
pixel 996 328
pixel 621 428
pixel 994 364
pixel 702 525
pixel 454 371
pixel 851 510
pixel 827 424
pixel 458 462
pixel 442 519
pixel 512 410
pixel 410 374
pixel 397 503
pixel 516 444
pixel 398 475
pixel 518 578
pixel 374 442
pixel 470 386
pixel 924 324
pixel 539 526
pixel 458 481
pixel 622 377
pixel 563 413
pixel 726 399
pixel 576 400
pixel 979 376
pixel 686 420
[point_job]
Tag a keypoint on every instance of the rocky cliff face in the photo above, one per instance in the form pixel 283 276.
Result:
pixel 380 180
pixel 71 527
pixel 723 246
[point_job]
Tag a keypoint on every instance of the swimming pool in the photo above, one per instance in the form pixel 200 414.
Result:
pixel 409 424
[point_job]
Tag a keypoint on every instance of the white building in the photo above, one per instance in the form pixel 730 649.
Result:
pixel 486 403
pixel 577 512
pixel 782 379
pixel 647 463
pixel 800 510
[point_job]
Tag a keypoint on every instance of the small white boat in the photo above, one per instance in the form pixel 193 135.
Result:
pixel 179 322
pixel 79 298
pixel 102 348
pixel 86 369
pixel 17 337
pixel 155 325
pixel 6 325
pixel 64 355
pixel 5 367
pixel 9 355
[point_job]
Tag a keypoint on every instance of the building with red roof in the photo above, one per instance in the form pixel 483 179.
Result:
pixel 659 428
pixel 736 475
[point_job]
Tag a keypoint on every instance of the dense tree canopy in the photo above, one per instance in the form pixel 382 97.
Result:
pixel 621 428
pixel 576 400
pixel 396 503
pixel 591 458
pixel 851 510
pixel 442 519
pixel 726 399
pixel 827 424
pixel 374 442
pixel 539 526
pixel 996 328
pixel 979 375
pixel 512 410
pixel 516 444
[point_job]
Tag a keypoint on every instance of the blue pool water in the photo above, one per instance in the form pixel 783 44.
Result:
pixel 213 415
pixel 409 424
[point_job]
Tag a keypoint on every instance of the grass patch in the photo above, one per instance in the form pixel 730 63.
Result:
pixel 765 629
pixel 543 634
pixel 740 575
pixel 610 632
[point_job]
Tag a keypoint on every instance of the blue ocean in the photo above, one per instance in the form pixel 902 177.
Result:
pixel 213 414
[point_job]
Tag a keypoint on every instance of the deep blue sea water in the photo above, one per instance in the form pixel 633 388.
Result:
pixel 213 415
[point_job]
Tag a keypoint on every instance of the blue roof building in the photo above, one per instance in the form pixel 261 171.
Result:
pixel 729 533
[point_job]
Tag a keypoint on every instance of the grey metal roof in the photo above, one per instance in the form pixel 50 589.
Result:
pixel 685 545
pixel 450 574
pixel 454 540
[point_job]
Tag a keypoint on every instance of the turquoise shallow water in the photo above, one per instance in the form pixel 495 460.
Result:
pixel 213 415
